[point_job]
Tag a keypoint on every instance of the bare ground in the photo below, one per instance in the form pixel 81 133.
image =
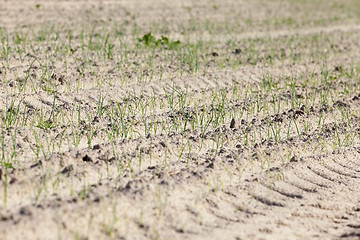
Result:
pixel 179 185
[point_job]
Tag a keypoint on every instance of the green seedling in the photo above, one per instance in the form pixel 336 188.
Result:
pixel 150 41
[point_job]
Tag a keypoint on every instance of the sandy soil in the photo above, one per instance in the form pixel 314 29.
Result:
pixel 173 184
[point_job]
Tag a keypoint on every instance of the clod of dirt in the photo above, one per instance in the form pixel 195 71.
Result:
pixel 39 163
pixel 341 104
pixel 303 108
pixel 214 54
pixel 298 113
pixel 237 51
pixel 135 185
pixel 86 158
pixel 13 180
pixel 338 69
pixel 232 123
pixel 278 118
pixel 255 156
pixel 274 169
pixel 96 119
pixel 211 165
pixel 324 108
pixel 349 235
pixel 61 80
pixel 6 217
pixel 25 211
pixel 293 159
pixel 67 169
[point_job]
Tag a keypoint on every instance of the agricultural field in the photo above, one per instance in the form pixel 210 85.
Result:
pixel 157 119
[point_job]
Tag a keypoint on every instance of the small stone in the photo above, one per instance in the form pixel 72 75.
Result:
pixel 86 158
pixel 232 123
